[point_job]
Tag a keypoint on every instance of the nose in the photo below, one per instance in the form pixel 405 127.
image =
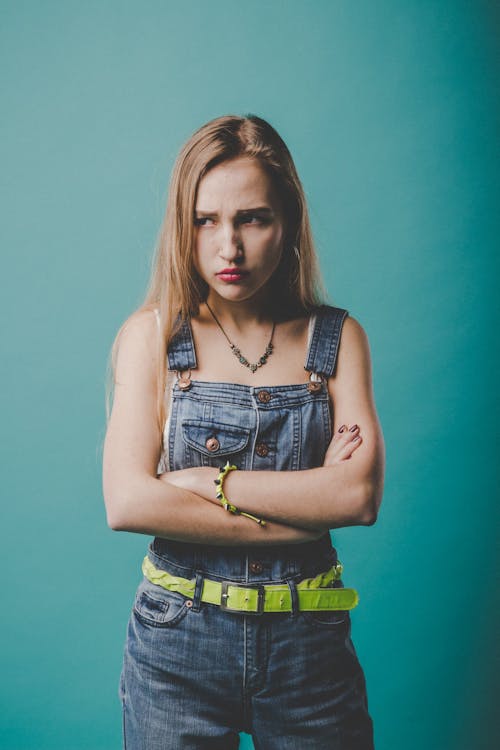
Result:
pixel 231 247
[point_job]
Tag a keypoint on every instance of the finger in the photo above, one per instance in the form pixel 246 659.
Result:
pixel 337 448
pixel 347 437
pixel 347 449
pixel 344 435
pixel 344 430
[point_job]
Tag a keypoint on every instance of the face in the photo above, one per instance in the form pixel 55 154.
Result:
pixel 238 230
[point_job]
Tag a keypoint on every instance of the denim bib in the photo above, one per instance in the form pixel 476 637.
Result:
pixel 258 428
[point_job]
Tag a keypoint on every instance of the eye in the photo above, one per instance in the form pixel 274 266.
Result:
pixel 200 222
pixel 253 219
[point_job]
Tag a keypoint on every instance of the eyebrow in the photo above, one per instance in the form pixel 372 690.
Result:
pixel 240 212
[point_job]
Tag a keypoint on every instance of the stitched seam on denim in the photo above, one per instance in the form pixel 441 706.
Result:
pixel 314 342
pixel 332 344
pixel 123 726
pixel 162 624
pixel 327 423
pixel 181 354
pixel 337 316
pixel 160 559
pixel 218 578
pixel 215 424
pixel 294 597
pixel 322 334
pixel 216 428
pixel 297 432
pixel 278 402
pixel 192 570
pixel 192 353
pixel 169 399
pixel 328 326
pixel 172 429
pixel 332 349
pixel 150 690
pixel 242 395
pixel 340 323
pixel 254 443
pixel 244 685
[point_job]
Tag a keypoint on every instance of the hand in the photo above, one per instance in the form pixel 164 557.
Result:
pixel 343 445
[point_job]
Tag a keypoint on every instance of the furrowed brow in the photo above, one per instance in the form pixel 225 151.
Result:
pixel 240 212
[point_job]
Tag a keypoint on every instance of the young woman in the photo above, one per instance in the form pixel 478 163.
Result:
pixel 239 466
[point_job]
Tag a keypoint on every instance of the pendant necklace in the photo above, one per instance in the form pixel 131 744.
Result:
pixel 241 358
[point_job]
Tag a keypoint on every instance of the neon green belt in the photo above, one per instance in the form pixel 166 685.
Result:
pixel 313 594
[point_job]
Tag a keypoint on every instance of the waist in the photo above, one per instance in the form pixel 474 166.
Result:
pixel 257 563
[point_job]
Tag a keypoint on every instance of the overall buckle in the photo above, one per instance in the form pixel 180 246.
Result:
pixel 259 587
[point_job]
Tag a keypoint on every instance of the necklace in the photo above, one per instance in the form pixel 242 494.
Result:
pixel 241 358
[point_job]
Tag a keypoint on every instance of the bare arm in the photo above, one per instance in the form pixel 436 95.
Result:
pixel 135 499
pixel 344 493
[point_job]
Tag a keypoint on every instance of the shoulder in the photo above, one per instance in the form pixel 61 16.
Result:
pixel 353 333
pixel 353 357
pixel 136 342
pixel 141 325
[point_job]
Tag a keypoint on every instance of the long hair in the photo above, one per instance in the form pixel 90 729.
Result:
pixel 175 288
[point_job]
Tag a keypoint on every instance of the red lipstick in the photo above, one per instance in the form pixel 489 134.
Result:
pixel 232 275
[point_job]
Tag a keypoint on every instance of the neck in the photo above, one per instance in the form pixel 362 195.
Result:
pixel 241 316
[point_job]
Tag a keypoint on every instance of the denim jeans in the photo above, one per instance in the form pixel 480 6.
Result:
pixel 194 675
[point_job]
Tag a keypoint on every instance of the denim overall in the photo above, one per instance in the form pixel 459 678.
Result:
pixel 193 675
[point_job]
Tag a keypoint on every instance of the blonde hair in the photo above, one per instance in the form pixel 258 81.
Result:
pixel 175 288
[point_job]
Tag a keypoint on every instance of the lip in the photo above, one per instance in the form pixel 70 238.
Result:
pixel 232 274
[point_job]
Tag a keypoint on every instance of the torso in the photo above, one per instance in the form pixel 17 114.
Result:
pixel 268 420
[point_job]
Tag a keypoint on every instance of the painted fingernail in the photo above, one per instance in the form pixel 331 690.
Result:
pixel 341 429
pixel 354 427
pixel 356 439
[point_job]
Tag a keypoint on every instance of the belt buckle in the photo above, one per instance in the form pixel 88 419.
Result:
pixel 259 587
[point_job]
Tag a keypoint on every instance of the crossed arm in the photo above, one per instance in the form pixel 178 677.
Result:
pixel 299 505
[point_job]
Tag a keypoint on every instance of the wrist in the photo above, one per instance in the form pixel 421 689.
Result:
pixel 226 503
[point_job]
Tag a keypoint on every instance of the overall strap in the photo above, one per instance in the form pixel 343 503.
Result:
pixel 325 338
pixel 181 352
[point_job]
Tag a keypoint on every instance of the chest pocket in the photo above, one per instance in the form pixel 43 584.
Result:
pixel 213 443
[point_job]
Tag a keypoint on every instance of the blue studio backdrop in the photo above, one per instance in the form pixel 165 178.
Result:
pixel 391 112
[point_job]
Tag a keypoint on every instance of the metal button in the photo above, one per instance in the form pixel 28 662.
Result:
pixel 262 449
pixel 256 566
pixel 184 381
pixel 314 387
pixel 212 444
pixel 316 382
pixel 264 397
pixel 189 603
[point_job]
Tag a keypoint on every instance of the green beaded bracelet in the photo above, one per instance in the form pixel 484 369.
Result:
pixel 224 471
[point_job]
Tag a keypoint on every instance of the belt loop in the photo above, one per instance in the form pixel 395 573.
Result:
pixel 294 597
pixel 198 592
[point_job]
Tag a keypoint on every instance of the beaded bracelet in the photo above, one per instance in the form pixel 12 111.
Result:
pixel 224 470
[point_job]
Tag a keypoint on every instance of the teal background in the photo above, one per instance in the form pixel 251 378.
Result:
pixel 391 112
